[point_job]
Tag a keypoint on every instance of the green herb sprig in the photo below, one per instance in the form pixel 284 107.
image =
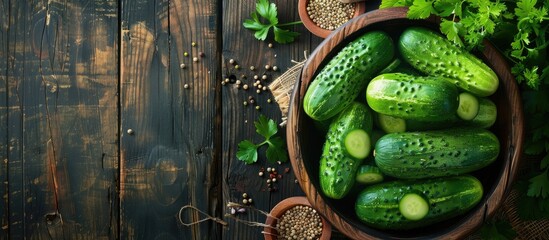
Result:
pixel 268 12
pixel 276 151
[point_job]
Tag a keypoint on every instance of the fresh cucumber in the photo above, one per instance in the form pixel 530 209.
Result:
pixel 468 106
pixel 433 54
pixel 414 155
pixel 378 205
pixel 346 74
pixel 412 97
pixel 369 174
pixel 339 162
pixel 485 118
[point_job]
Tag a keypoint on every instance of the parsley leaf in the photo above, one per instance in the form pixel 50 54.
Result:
pixel 539 185
pixel 276 150
pixel 269 12
pixel 247 152
pixel 421 9
pixel 497 230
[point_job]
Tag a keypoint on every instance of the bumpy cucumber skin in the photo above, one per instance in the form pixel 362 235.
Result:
pixel 377 205
pixel 345 75
pixel 416 155
pixel 337 168
pixel 486 117
pixel 434 55
pixel 412 97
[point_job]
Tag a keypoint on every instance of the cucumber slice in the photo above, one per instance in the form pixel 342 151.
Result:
pixel 390 124
pixel 413 206
pixel 468 106
pixel 357 143
pixel 368 174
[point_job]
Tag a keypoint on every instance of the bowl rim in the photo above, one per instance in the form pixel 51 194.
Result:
pixel 492 198
pixel 286 204
pixel 360 8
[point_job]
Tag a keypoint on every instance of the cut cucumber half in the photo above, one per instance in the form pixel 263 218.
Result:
pixel 468 106
pixel 413 206
pixel 390 124
pixel 368 174
pixel 357 143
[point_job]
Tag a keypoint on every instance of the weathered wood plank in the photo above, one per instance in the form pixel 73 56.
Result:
pixel 4 23
pixel 239 44
pixel 62 118
pixel 168 114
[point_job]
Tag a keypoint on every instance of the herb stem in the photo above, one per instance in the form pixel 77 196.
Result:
pixel 289 24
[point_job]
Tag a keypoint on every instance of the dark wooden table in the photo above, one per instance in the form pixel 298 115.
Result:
pixel 105 136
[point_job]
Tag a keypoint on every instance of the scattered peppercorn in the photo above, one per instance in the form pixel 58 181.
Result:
pixel 275 68
pixel 256 77
pixel 270 45
pixel 186 54
pixel 245 103
pixel 267 67
pixel 245 87
pixel 193 44
pixel 252 68
pixel 232 61
pixel 201 54
pixel 236 66
pixel 186 86
pixel 264 77
pixel 257 107
pixel 195 59
pixel 269 100
pixel 238 82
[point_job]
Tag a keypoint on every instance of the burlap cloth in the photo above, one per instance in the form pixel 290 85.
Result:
pixel 281 89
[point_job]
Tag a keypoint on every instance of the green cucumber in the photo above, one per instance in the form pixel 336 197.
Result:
pixel 341 80
pixel 338 166
pixel 392 66
pixel 415 155
pixel 485 118
pixel 369 174
pixel 379 205
pixel 468 106
pixel 434 55
pixel 412 97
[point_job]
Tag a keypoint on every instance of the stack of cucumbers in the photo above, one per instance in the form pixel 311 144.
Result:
pixel 408 124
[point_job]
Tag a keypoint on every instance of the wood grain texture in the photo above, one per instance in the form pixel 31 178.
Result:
pixel 170 159
pixel 61 112
pixel 240 45
pixel 4 187
pixel 496 178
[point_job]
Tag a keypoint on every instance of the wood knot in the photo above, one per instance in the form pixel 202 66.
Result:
pixel 53 218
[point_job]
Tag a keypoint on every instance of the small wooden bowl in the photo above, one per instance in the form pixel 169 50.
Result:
pixel 305 143
pixel 360 8
pixel 283 206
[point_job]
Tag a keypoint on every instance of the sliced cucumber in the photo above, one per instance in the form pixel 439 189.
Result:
pixel 468 106
pixel 358 144
pixel 368 174
pixel 390 124
pixel 413 206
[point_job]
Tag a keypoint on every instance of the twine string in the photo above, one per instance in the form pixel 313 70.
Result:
pixel 208 217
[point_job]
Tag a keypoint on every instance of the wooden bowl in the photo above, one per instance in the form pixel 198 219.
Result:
pixel 283 206
pixel 305 143
pixel 360 8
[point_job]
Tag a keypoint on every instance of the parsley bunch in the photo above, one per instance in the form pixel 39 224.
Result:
pixel 268 12
pixel 276 152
